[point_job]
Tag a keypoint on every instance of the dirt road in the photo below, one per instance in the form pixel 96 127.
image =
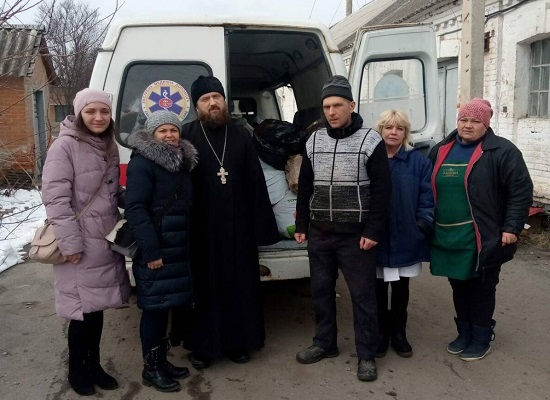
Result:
pixel 33 354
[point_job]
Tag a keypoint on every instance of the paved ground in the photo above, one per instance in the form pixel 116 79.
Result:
pixel 33 354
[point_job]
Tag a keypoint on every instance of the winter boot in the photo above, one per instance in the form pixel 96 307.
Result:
pixel 399 340
pixel 172 371
pixel 99 377
pixel 463 339
pixel 383 333
pixel 154 374
pixel 78 352
pixel 78 374
pixel 480 345
pixel 97 374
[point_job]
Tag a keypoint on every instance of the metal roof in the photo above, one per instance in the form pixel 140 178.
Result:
pixel 407 11
pixel 21 44
pixel 384 12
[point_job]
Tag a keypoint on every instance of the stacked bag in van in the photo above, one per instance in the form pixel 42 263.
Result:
pixel 283 200
pixel 277 142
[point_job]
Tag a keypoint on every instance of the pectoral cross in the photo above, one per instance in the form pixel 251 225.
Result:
pixel 222 174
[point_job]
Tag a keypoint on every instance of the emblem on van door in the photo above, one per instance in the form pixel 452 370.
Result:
pixel 166 95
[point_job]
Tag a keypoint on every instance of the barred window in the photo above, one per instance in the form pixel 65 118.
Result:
pixel 539 80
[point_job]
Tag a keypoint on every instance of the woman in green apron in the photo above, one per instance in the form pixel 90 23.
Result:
pixel 483 192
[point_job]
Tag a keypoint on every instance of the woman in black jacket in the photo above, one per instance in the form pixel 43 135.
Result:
pixel 483 192
pixel 158 200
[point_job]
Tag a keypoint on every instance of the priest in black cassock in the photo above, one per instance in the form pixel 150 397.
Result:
pixel 231 217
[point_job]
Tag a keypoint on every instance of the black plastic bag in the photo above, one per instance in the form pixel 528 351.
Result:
pixel 277 140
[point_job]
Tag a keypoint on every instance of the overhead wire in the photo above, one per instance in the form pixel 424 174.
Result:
pixel 335 12
pixel 312 7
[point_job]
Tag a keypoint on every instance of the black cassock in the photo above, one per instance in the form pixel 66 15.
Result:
pixel 229 221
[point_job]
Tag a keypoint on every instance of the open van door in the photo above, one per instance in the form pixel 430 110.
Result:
pixel 396 68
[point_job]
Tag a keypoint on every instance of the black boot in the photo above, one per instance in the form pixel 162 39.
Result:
pixel 78 377
pixel 383 333
pixel 97 374
pixel 99 377
pixel 399 340
pixel 78 373
pixel 155 375
pixel 172 371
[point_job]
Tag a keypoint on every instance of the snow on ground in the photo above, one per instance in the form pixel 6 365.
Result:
pixel 20 214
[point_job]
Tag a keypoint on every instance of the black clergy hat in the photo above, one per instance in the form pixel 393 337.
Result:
pixel 203 85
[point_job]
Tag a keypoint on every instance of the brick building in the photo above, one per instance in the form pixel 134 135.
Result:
pixel 516 66
pixel 26 75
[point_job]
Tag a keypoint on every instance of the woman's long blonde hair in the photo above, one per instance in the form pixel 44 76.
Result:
pixel 396 118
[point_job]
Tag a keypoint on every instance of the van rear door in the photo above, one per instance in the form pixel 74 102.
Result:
pixel 396 68
pixel 152 66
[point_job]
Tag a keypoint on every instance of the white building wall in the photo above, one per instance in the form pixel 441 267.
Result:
pixel 507 86
pixel 506 76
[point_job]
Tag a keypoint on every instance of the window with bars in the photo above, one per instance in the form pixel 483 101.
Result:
pixel 539 80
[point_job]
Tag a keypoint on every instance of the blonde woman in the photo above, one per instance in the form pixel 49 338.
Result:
pixel 403 246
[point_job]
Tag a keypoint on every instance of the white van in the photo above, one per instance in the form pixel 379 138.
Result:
pixel 150 64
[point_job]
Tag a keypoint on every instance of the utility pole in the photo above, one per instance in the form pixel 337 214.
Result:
pixel 349 7
pixel 472 50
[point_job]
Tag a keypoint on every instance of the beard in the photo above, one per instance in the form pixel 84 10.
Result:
pixel 214 121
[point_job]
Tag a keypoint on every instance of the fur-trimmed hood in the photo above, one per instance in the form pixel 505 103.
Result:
pixel 171 158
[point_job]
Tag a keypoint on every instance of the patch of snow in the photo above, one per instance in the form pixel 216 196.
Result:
pixel 23 212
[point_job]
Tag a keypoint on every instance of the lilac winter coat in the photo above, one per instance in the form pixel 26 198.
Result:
pixel 73 171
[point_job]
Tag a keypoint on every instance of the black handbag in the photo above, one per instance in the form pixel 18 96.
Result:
pixel 121 238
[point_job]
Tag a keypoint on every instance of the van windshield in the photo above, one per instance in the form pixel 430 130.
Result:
pixel 150 86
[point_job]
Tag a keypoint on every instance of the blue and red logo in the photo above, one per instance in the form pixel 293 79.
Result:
pixel 166 95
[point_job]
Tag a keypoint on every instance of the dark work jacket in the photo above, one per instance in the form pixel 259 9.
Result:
pixel 156 173
pixel 405 239
pixel 500 192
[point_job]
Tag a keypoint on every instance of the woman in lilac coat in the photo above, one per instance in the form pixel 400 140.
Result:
pixel 93 277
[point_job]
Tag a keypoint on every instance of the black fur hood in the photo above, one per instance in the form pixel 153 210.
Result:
pixel 171 158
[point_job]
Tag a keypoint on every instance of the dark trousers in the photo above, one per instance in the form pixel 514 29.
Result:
pixel 152 329
pixel 475 298
pixel 84 338
pixel 329 251
pixel 399 295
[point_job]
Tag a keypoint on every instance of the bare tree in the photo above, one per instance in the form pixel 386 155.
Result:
pixel 8 12
pixel 74 33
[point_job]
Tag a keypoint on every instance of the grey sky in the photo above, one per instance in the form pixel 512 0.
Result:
pixel 327 11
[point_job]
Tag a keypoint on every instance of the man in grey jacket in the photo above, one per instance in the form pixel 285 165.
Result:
pixel 343 200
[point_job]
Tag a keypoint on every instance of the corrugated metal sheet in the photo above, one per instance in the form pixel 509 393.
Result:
pixel 19 46
pixel 406 10
pixel 384 12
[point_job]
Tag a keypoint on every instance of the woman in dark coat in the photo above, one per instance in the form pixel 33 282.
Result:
pixel 158 200
pixel 483 192
pixel 404 245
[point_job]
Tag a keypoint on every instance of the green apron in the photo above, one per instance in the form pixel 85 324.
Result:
pixel 454 250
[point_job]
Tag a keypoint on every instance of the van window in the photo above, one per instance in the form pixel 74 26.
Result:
pixel 393 84
pixel 147 87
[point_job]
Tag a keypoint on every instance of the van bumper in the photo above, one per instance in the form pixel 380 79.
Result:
pixel 274 265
